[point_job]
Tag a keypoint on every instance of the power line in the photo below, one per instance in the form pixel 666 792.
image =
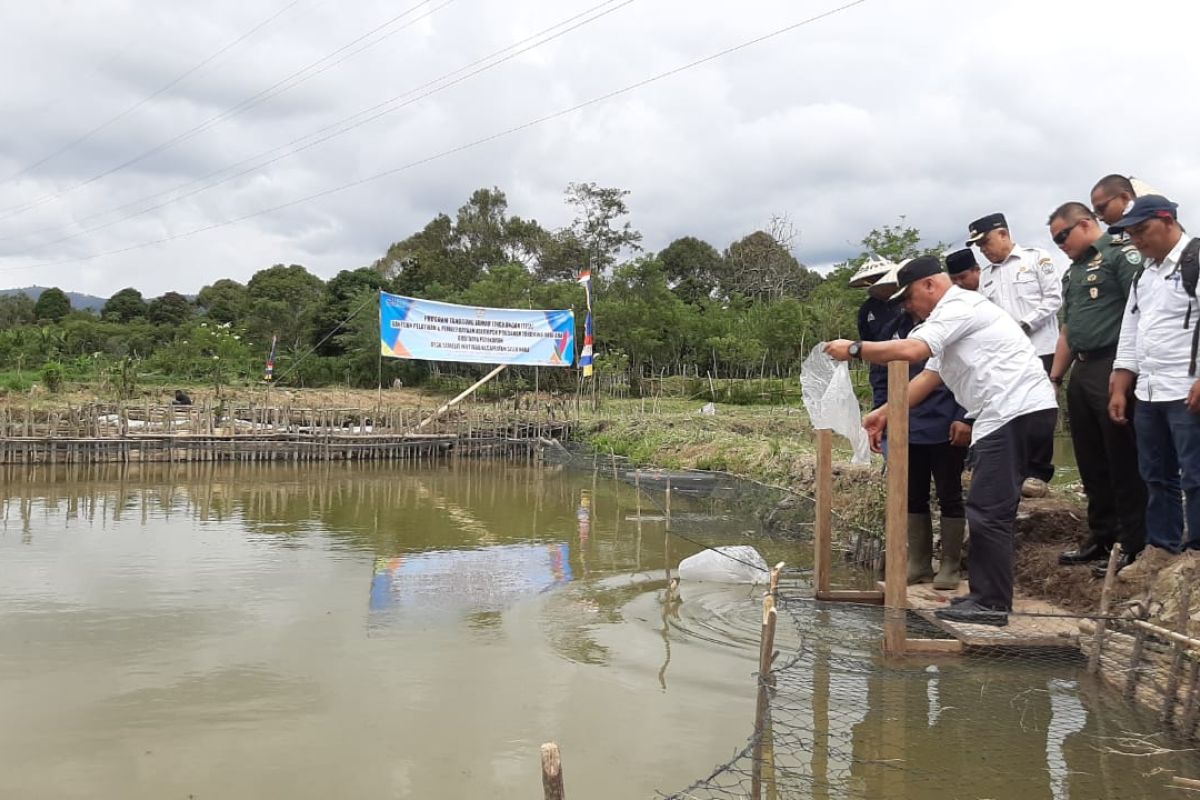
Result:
pixel 446 81
pixel 274 90
pixel 204 62
pixel 462 147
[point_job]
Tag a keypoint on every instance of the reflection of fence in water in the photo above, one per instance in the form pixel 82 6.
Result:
pixel 1002 723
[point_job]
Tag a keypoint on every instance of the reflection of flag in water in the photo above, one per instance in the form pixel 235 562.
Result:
pixel 270 373
pixel 585 357
pixel 583 515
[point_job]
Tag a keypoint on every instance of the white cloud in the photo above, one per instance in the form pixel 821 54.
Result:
pixel 937 112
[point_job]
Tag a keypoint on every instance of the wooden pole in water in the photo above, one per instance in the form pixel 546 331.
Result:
pixel 823 523
pixel 1105 599
pixel 766 655
pixel 896 572
pixel 552 776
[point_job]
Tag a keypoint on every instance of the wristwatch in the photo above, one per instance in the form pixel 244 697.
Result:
pixel 855 350
pixel 1026 327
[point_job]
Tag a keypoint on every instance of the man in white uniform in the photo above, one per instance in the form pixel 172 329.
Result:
pixel 1024 282
pixel 988 363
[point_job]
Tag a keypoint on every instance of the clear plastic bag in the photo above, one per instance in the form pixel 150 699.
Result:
pixel 738 563
pixel 831 402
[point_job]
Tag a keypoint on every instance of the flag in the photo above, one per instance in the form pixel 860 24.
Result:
pixel 585 357
pixel 270 372
pixel 585 280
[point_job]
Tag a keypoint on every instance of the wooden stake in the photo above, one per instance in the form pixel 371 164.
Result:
pixel 896 572
pixel 1105 598
pixel 823 524
pixel 552 777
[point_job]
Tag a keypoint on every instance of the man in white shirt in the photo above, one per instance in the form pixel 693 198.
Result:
pixel 989 364
pixel 1157 350
pixel 1024 282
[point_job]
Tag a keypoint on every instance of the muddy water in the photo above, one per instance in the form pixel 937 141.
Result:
pixel 363 631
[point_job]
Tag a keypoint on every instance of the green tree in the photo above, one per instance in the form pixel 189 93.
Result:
pixel 692 267
pixel 16 309
pixel 124 306
pixel 52 305
pixel 761 265
pixel 596 237
pixel 171 309
pixel 285 300
pixel 224 300
pixel 345 293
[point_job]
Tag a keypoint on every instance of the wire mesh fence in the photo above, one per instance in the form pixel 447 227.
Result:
pixel 996 721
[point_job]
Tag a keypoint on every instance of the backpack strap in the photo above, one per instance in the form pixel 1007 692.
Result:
pixel 1189 270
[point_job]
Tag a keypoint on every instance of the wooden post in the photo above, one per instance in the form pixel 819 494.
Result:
pixel 552 777
pixel 766 655
pixel 896 572
pixel 823 523
pixel 465 393
pixel 1105 598
pixel 1181 627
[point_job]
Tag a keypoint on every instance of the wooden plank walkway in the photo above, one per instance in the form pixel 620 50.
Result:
pixel 1047 626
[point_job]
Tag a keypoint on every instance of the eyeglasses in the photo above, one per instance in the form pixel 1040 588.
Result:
pixel 1098 209
pixel 1061 237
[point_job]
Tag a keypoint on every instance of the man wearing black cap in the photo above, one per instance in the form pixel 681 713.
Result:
pixel 989 364
pixel 963 269
pixel 1160 333
pixel 1024 282
pixel 934 453
pixel 1095 289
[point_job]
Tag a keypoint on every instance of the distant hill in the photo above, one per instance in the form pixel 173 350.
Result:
pixel 86 302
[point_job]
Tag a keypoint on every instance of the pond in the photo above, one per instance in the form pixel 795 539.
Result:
pixel 224 631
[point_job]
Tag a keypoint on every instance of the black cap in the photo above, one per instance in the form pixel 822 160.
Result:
pixel 1146 207
pixel 980 227
pixel 961 261
pixel 913 271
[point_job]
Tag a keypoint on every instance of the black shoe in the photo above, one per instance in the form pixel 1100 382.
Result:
pixel 1123 561
pixel 972 612
pixel 1086 554
pixel 962 598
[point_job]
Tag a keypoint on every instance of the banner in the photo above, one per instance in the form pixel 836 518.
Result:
pixel 432 331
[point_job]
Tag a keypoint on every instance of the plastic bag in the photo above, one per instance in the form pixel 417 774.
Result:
pixel 831 402
pixel 733 564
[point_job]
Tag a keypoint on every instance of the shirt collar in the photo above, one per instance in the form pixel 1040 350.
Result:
pixel 1094 249
pixel 1169 263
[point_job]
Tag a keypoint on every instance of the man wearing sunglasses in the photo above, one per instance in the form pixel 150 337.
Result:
pixel 1157 350
pixel 1025 283
pixel 1095 289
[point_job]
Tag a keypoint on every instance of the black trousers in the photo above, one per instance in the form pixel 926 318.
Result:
pixel 1107 458
pixel 1042 460
pixel 1001 461
pixel 944 464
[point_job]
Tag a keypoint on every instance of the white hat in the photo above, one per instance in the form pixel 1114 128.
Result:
pixel 870 272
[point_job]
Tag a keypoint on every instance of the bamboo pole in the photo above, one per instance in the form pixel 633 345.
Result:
pixel 1110 576
pixel 1181 625
pixel 823 524
pixel 465 393
pixel 896 571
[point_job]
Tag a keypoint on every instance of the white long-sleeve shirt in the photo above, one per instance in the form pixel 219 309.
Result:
pixel 985 360
pixel 1028 286
pixel 1154 341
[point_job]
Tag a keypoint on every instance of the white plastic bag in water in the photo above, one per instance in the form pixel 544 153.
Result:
pixel 734 564
pixel 830 400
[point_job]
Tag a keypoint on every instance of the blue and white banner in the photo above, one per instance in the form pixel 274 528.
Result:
pixel 432 331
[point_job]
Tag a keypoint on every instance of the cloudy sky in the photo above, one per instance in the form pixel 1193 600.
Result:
pixel 166 145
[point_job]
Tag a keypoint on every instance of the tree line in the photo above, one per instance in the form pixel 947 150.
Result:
pixel 750 309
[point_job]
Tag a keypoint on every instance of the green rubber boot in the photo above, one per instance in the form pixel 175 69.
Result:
pixel 950 568
pixel 920 548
